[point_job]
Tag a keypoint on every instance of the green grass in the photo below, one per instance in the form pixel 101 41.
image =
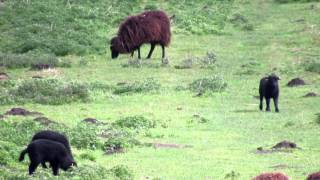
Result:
pixel 226 142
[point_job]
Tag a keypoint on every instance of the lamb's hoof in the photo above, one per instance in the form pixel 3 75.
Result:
pixel 277 110
pixel 165 61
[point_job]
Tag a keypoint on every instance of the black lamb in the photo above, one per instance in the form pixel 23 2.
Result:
pixel 268 89
pixel 54 136
pixel 42 150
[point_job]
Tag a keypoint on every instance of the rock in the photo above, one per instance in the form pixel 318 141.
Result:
pixel 296 82
pixel 311 94
pixel 285 145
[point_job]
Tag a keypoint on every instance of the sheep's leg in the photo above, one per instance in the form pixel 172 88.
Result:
pixel 44 165
pixel 139 56
pixel 275 100
pixel 261 103
pixel 151 50
pixel 163 51
pixel 55 168
pixel 32 167
pixel 268 104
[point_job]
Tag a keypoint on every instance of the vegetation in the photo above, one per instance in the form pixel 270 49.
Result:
pixel 161 127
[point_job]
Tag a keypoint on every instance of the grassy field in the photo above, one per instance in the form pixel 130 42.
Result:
pixel 222 130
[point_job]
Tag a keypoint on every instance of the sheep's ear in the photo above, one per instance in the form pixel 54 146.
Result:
pixel 278 78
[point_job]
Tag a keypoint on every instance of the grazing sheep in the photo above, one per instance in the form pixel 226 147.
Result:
pixel 53 136
pixel 269 88
pixel 314 176
pixel 42 150
pixel 271 176
pixel 149 27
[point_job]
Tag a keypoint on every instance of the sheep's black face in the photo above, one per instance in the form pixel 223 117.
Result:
pixel 113 47
pixel 273 79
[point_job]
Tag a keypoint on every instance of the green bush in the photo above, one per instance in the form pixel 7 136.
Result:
pixel 208 84
pixel 135 122
pixel 84 136
pixel 118 140
pixel 26 60
pixel 44 91
pixel 121 172
pixel 8 152
pixel 147 85
pixel 312 66
pixel 19 133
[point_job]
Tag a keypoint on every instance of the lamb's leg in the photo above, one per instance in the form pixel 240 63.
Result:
pixel 32 167
pixel 268 104
pixel 261 103
pixel 55 168
pixel 132 53
pixel 151 50
pixel 275 100
pixel 44 165
pixel 139 56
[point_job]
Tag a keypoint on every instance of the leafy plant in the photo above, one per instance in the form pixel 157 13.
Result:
pixel 208 84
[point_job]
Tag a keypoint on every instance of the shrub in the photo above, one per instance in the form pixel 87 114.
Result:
pixel 208 84
pixel 18 133
pixel 204 62
pixel 44 91
pixel 27 60
pixel 147 85
pixel 8 152
pixel 312 66
pixel 135 122
pixel 240 21
pixel 121 172
pixel 84 136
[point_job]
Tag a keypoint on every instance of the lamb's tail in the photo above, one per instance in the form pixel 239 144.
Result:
pixel 21 158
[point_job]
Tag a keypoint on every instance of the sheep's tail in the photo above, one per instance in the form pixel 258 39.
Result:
pixel 21 158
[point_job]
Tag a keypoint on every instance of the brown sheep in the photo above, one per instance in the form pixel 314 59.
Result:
pixel 148 27
pixel 271 176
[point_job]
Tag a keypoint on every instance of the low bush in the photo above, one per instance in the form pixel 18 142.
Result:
pixel 147 85
pixel 84 136
pixel 135 122
pixel 44 91
pixel 312 66
pixel 204 62
pixel 28 61
pixel 208 84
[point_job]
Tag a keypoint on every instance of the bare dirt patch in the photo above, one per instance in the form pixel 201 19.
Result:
pixel 21 112
pixel 285 145
pixel 3 76
pixel 44 121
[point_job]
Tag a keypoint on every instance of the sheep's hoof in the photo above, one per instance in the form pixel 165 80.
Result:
pixel 165 61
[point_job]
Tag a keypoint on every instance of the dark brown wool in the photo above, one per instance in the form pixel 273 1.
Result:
pixel 271 176
pixel 314 176
pixel 149 27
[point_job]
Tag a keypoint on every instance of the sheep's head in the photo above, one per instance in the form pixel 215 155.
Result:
pixel 115 45
pixel 273 79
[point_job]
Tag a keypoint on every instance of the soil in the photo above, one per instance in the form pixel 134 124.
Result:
pixel 90 120
pixel 21 112
pixel 296 82
pixel 3 76
pixel 311 94
pixel 44 121
pixel 114 150
pixel 40 66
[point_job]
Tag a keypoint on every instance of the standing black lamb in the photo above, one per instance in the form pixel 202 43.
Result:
pixel 53 136
pixel 42 150
pixel 148 27
pixel 269 88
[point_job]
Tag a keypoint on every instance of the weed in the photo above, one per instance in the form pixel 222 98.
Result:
pixel 147 85
pixel 208 84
